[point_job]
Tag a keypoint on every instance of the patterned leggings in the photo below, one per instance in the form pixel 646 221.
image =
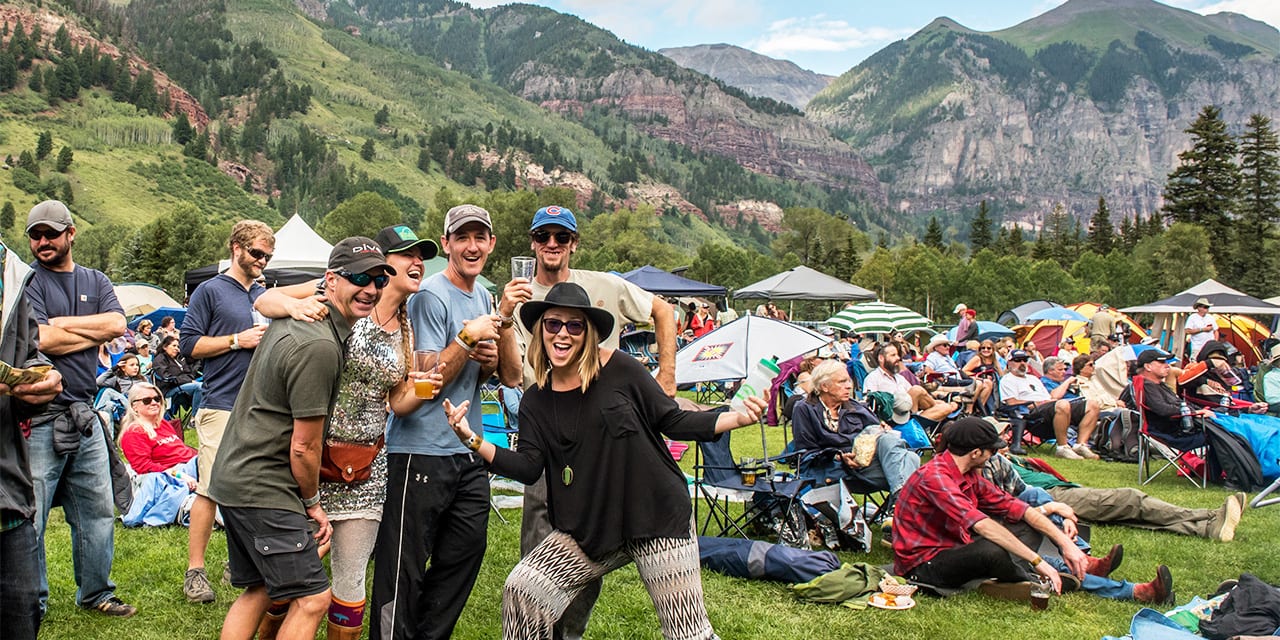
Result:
pixel 546 581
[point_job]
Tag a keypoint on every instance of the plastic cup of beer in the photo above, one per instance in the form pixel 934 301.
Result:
pixel 1040 591
pixel 425 361
pixel 522 267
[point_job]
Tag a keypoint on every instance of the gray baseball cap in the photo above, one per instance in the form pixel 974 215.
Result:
pixel 51 213
pixel 464 213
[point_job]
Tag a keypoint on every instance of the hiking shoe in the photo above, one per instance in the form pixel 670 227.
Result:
pixel 113 606
pixel 1227 518
pixel 1085 452
pixel 1158 591
pixel 197 588
pixel 1066 452
pixel 1105 565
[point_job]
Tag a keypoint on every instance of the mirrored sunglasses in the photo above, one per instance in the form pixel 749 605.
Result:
pixel 363 279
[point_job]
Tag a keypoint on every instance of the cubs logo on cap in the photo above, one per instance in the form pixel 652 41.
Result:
pixel 555 215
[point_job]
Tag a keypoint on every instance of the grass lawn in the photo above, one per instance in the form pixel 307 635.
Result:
pixel 150 562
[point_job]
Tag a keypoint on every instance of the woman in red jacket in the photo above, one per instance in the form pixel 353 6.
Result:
pixel 150 443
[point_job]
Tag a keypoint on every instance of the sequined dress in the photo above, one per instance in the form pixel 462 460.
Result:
pixel 374 365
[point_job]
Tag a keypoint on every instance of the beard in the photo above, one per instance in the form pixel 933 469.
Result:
pixel 59 258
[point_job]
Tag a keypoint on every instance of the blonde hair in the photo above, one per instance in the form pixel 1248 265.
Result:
pixel 588 360
pixel 131 419
pixel 246 232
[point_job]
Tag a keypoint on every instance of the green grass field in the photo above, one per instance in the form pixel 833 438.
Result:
pixel 150 563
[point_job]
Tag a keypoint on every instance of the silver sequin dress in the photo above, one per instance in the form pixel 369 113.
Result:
pixel 374 366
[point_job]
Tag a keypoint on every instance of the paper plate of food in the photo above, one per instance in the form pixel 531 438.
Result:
pixel 882 600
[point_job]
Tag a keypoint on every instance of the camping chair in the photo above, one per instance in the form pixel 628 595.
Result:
pixel 717 478
pixel 711 392
pixel 636 344
pixel 1151 448
pixel 877 502
pixel 1019 418
pixel 494 418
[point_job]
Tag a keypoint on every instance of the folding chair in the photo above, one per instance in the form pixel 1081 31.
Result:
pixel 717 478
pixel 1151 448
pixel 494 418
pixel 876 502
pixel 711 392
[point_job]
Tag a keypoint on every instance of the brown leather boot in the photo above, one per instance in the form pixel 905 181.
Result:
pixel 270 626
pixel 339 632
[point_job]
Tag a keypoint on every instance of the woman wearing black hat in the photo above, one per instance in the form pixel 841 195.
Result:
pixel 594 423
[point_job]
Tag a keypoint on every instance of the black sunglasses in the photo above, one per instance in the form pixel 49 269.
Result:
pixel 363 279
pixel 258 254
pixel 552 326
pixel 150 400
pixel 542 235
pixel 48 234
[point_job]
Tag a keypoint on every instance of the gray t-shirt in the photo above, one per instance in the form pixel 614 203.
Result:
pixel 438 312
pixel 294 374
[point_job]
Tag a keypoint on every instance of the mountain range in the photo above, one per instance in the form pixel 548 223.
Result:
pixel 758 75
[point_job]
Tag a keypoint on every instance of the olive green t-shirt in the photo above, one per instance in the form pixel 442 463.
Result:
pixel 294 374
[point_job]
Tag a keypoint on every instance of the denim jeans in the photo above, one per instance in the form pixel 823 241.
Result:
pixel 895 461
pixel 19 597
pixel 178 396
pixel 82 483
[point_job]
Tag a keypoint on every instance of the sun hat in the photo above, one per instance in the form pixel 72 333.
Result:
pixel 1202 302
pixel 567 295
pixel 937 339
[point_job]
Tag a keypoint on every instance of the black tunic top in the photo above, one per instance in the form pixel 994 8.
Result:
pixel 624 483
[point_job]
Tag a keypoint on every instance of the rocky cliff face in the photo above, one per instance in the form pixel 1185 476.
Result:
pixel 704 118
pixel 758 75
pixel 951 117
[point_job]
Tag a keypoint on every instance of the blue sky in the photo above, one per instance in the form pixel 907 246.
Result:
pixel 827 36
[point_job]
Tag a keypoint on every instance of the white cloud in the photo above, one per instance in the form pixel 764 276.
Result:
pixel 637 20
pixel 1267 11
pixel 821 34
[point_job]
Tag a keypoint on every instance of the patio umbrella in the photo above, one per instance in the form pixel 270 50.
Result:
pixel 1058 314
pixel 878 317
pixel 729 352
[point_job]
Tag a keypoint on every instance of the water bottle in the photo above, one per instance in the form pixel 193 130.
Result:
pixel 1184 420
pixel 759 378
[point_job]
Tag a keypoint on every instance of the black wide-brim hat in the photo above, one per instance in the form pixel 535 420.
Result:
pixel 567 295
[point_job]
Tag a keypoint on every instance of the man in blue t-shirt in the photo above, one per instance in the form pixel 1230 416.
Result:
pixel 220 330
pixel 77 311
pixel 441 521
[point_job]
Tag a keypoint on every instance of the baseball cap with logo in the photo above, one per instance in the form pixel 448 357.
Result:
pixel 1153 355
pixel 1019 354
pixel 358 254
pixel 555 215
pixel 399 238
pixel 464 213
pixel 52 213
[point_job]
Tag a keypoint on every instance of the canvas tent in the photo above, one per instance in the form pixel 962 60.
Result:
pixel 300 255
pixel 657 281
pixel 138 298
pixel 1230 306
pixel 803 283
pixel 1018 314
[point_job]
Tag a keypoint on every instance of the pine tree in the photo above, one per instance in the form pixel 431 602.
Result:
pixel 8 71
pixel 933 235
pixel 65 156
pixel 1101 233
pixel 7 215
pixel 44 145
pixel 381 118
pixel 1203 188
pixel 182 130
pixel 1127 236
pixel 1017 243
pixel 367 151
pixel 980 229
pixel 28 162
pixel 66 195
pixel 1259 206
pixel 424 160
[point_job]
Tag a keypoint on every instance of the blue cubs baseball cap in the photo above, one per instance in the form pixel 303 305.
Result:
pixel 555 215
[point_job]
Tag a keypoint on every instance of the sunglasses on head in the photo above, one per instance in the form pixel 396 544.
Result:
pixel 47 234
pixel 552 326
pixel 541 236
pixel 363 279
pixel 149 400
pixel 258 254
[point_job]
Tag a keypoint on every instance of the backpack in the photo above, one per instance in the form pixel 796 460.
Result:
pixel 1232 462
pixel 1117 440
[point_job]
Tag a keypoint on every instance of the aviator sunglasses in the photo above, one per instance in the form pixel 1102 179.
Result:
pixel 542 235
pixel 363 279
pixel 552 326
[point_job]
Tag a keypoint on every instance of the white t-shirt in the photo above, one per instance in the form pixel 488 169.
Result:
pixel 878 380
pixel 1026 388
pixel 1198 340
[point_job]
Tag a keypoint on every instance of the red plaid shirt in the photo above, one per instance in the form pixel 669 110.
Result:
pixel 938 507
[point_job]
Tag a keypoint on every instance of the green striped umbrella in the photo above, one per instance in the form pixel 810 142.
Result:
pixel 878 317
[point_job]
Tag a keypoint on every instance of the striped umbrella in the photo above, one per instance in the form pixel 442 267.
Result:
pixel 878 317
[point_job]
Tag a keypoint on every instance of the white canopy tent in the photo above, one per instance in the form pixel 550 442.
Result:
pixel 1171 314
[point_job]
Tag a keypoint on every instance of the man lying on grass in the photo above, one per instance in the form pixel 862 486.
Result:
pixel 946 531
